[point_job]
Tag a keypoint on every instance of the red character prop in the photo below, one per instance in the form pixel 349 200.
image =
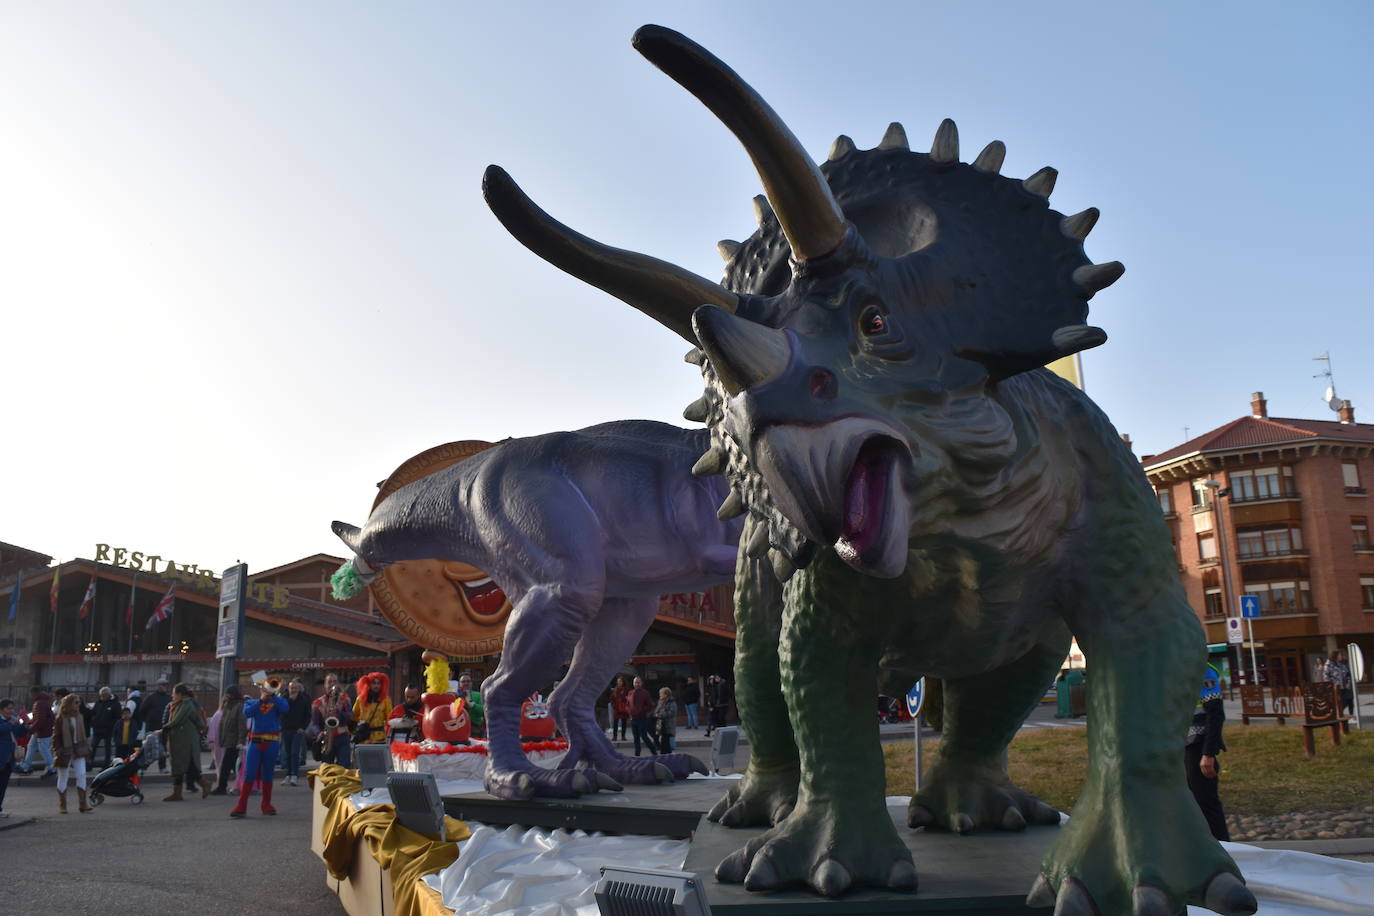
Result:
pixel 446 719
pixel 535 722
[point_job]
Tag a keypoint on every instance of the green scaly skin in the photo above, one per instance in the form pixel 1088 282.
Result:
pixel 768 790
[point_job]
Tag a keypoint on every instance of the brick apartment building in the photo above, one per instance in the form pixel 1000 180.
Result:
pixel 1279 509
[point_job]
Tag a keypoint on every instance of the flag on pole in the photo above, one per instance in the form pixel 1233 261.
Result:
pixel 14 597
pixel 52 595
pixel 133 593
pixel 163 611
pixel 88 600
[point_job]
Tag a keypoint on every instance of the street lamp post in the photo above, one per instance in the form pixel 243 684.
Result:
pixel 1218 493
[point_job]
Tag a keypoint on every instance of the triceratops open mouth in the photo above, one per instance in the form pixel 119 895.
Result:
pixel 875 519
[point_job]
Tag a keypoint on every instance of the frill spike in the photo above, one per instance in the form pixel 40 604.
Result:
pixel 763 210
pixel 945 147
pixel 782 567
pixel 1076 337
pixel 694 356
pixel 697 411
pixel 727 248
pixel 758 541
pixel 1080 224
pixel 842 147
pixel 1042 182
pixel 733 507
pixel 1093 278
pixel 991 158
pixel 713 462
pixel 894 138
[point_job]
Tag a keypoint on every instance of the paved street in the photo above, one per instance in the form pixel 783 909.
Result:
pixel 160 857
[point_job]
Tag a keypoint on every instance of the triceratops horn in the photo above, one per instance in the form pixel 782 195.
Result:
pixel 810 217
pixel 743 353
pixel 663 291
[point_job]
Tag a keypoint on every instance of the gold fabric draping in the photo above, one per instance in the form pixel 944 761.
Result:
pixel 403 854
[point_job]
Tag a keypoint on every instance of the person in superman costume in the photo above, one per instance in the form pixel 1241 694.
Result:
pixel 264 722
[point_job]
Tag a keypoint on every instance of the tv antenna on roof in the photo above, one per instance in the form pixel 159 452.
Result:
pixel 1330 397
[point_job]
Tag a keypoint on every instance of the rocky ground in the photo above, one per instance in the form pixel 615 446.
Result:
pixel 1303 825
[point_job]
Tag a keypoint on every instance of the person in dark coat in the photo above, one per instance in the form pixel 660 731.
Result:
pixel 41 721
pixel 641 708
pixel 11 729
pixel 104 718
pixel 293 725
pixel 691 697
pixel 718 698
pixel 1200 754
pixel 233 736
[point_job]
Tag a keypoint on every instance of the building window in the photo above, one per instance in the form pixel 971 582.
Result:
pixel 1367 592
pixel 1269 542
pixel 1281 597
pixel 1165 503
pixel 1206 547
pixel 1350 472
pixel 1359 532
pixel 1261 483
pixel 1201 495
pixel 1212 599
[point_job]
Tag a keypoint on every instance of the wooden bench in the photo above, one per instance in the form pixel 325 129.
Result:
pixel 1322 709
pixel 1288 702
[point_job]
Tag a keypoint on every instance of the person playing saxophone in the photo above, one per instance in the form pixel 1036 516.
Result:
pixel 331 717
pixel 264 740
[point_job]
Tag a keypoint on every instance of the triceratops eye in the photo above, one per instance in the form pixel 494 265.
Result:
pixel 872 321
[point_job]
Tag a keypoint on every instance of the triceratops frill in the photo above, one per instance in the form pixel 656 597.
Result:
pixel 877 401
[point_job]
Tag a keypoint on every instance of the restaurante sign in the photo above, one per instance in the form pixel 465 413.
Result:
pixel 189 573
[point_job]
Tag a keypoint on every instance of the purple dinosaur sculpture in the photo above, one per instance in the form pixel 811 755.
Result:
pixel 583 531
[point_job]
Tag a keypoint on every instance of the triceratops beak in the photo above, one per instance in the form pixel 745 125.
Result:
pixel 742 353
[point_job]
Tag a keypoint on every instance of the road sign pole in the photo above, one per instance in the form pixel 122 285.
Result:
pixel 1254 665
pixel 1354 657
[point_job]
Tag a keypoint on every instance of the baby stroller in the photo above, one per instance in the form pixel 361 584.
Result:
pixel 119 779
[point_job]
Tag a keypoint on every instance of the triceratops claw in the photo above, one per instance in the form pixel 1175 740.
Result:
pixel 763 875
pixel 733 867
pixel 830 878
pixel 1074 900
pixel 902 877
pixel 1012 819
pixel 782 812
pixel 1041 893
pixel 962 823
pixel 1149 900
pixel 1228 895
pixel 920 816
pixel 662 773
pixel 580 784
pixel 606 783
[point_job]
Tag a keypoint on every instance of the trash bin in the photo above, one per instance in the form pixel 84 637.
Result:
pixel 1064 694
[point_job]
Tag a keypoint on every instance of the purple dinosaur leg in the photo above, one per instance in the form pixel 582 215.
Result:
pixel 618 628
pixel 544 625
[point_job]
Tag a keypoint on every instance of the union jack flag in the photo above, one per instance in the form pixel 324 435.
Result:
pixel 163 611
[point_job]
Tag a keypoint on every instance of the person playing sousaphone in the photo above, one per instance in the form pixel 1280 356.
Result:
pixel 372 708
pixel 264 740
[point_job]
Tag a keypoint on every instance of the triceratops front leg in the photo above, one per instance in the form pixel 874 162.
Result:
pixel 768 791
pixel 1137 842
pixel 967 787
pixel 839 834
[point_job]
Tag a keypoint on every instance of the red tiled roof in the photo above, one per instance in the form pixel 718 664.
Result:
pixel 340 619
pixel 1250 432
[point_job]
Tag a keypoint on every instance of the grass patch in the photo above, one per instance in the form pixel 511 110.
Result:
pixel 1263 771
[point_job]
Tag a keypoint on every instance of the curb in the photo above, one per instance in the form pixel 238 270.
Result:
pixel 1343 847
pixel 12 822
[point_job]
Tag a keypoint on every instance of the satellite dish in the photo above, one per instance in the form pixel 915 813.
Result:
pixel 1331 400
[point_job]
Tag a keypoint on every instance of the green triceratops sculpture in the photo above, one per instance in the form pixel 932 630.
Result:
pixel 923 498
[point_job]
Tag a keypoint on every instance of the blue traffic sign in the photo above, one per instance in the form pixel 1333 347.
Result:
pixel 914 697
pixel 1249 606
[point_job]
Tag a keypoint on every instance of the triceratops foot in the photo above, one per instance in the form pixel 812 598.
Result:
pixel 968 798
pixel 531 781
pixel 825 850
pixel 764 797
pixel 1151 855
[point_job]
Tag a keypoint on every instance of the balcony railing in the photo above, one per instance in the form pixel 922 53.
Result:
pixel 1271 554
pixel 1356 491
pixel 1282 493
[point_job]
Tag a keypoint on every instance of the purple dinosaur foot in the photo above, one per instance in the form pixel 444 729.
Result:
pixel 648 771
pixel 530 781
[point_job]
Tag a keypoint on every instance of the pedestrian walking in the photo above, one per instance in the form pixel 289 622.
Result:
pixel 70 751
pixel 1200 753
pixel 665 717
pixel 41 721
pixel 181 737
pixel 691 697
pixel 641 708
pixel 232 737
pixel 620 708
pixel 104 717
pixel 293 725
pixel 1338 673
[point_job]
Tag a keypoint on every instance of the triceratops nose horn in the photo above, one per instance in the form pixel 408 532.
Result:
pixel 742 353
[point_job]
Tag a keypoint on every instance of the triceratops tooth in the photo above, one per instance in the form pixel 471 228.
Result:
pixel 1075 337
pixel 698 410
pixel 1094 277
pixel 945 146
pixel 727 248
pixel 763 210
pixel 842 147
pixel 1080 224
pixel 1042 182
pixel 782 567
pixel 695 356
pixel 733 507
pixel 990 159
pixel 894 138
pixel 757 545
pixel 710 463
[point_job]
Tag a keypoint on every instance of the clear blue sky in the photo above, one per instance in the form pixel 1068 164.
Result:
pixel 247 269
